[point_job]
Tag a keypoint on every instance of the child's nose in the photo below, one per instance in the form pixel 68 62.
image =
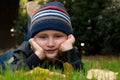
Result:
pixel 51 42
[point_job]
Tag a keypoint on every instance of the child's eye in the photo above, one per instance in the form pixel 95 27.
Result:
pixel 42 37
pixel 58 36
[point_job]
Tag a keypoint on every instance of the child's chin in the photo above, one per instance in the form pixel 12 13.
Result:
pixel 52 58
pixel 53 55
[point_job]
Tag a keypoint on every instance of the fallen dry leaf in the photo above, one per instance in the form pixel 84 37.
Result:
pixel 100 74
pixel 67 67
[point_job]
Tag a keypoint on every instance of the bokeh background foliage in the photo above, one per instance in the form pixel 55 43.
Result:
pixel 95 24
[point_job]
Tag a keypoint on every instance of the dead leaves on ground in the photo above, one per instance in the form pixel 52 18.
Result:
pixel 46 74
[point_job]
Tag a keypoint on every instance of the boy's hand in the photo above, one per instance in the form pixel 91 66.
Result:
pixel 37 49
pixel 68 44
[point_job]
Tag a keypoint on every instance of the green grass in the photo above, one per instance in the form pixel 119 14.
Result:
pixel 90 62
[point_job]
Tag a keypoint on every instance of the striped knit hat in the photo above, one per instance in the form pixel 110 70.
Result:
pixel 51 16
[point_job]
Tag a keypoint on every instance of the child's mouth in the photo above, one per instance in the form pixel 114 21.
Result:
pixel 50 51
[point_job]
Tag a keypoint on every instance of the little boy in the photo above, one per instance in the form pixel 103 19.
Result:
pixel 50 40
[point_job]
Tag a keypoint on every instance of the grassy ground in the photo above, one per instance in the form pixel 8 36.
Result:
pixel 90 62
pixel 103 62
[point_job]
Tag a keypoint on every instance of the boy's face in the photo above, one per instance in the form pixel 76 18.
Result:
pixel 50 41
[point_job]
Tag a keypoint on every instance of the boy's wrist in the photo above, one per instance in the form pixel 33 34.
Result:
pixel 67 48
pixel 41 56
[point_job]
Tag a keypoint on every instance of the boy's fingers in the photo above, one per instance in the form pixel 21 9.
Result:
pixel 71 38
pixel 33 44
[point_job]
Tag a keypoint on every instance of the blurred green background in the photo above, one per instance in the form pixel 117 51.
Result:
pixel 96 24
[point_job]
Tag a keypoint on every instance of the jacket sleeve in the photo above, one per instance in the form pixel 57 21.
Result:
pixel 24 59
pixel 73 56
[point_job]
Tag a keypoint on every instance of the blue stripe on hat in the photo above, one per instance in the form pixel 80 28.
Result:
pixel 50 12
